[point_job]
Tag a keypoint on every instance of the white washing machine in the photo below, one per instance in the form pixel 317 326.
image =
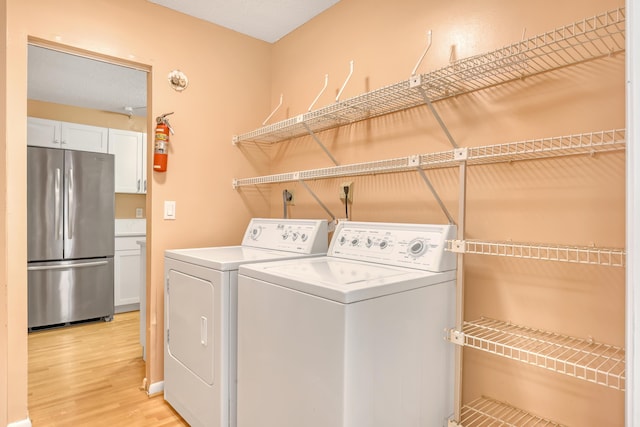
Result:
pixel 352 339
pixel 200 314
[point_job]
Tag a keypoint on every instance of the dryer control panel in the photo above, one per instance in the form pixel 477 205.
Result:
pixel 418 246
pixel 305 236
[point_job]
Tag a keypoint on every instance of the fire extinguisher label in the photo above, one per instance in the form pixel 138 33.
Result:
pixel 160 147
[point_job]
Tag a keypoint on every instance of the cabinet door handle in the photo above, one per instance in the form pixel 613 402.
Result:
pixel 145 185
pixel 138 186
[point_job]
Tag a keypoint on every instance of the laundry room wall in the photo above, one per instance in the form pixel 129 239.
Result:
pixel 574 200
pixel 228 89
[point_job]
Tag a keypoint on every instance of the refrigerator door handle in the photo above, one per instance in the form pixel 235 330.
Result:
pixel 70 210
pixel 66 266
pixel 57 217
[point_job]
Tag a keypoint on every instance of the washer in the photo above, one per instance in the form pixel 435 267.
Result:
pixel 352 339
pixel 200 314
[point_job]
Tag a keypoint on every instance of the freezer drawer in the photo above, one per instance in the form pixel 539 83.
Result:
pixel 68 291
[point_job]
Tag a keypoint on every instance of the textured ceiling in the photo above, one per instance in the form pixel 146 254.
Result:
pixel 267 20
pixel 68 79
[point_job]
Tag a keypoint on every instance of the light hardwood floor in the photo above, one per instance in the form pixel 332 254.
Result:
pixel 91 375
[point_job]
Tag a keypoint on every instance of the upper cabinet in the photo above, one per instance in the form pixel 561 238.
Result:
pixel 72 136
pixel 130 151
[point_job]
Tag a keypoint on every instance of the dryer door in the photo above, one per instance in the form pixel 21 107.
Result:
pixel 191 310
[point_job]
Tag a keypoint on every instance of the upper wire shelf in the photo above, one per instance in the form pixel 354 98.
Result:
pixel 584 143
pixel 587 360
pixel 573 254
pixel 584 40
pixel 488 412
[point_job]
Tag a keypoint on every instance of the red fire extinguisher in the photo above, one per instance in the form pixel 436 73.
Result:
pixel 161 143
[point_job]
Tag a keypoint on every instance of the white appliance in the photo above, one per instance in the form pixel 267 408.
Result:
pixel 200 314
pixel 352 339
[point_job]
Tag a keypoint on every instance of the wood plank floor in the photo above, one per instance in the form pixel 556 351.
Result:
pixel 91 375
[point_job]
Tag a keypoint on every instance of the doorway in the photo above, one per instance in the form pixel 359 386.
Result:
pixel 77 87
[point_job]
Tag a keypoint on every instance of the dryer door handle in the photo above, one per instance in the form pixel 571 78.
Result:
pixel 203 331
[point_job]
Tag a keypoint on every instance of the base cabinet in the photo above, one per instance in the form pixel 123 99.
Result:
pixel 127 264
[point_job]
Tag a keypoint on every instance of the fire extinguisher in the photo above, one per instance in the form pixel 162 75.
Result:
pixel 161 143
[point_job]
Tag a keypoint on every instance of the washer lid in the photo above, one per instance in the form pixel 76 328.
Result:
pixel 340 280
pixel 226 258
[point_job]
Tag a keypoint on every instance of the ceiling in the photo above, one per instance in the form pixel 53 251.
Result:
pixel 68 79
pixel 267 20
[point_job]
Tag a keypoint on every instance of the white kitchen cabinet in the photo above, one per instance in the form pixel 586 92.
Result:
pixel 129 149
pixel 127 265
pixel 72 136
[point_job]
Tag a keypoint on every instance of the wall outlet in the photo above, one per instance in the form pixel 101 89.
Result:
pixel 349 195
pixel 288 197
pixel 139 213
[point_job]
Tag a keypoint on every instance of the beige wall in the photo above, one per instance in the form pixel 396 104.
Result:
pixel 236 81
pixel 575 200
pixel 125 204
pixel 4 261
pixel 229 90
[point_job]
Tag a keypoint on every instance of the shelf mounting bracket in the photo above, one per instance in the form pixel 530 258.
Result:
pixel 456 337
pixel 317 140
pixel 326 82
pixel 435 195
pixel 306 187
pixel 346 81
pixel 273 112
pixel 437 116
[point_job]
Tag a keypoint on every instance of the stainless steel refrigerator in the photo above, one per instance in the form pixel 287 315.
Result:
pixel 70 197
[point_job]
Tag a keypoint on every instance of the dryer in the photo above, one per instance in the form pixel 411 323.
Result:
pixel 200 314
pixel 355 338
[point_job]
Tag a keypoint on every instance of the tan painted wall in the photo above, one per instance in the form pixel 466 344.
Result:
pixel 575 200
pixel 4 261
pixel 229 89
pixel 125 204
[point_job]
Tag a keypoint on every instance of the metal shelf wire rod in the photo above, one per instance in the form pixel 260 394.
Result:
pixel 539 251
pixel 488 412
pixel 583 359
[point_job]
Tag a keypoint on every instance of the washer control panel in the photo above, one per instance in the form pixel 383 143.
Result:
pixel 411 245
pixel 292 235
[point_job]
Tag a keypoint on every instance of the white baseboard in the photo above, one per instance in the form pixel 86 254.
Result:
pixel 155 388
pixel 22 423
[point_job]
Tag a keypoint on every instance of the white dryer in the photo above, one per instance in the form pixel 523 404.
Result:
pixel 352 339
pixel 200 314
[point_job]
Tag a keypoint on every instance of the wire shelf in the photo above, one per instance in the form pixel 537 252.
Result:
pixel 584 40
pixel 573 254
pixel 584 359
pixel 488 412
pixel 585 143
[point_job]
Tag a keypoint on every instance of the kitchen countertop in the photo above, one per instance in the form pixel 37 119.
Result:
pixel 130 227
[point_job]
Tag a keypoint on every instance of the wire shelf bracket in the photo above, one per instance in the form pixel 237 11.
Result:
pixel 444 209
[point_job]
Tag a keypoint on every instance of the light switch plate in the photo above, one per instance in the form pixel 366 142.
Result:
pixel 169 209
pixel 138 212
